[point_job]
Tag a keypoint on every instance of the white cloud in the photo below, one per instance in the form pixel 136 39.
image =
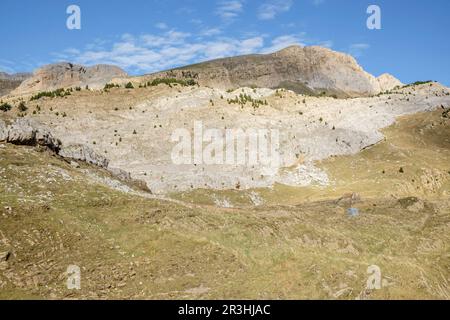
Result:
pixel 161 25
pixel 271 8
pixel 229 9
pixel 151 53
pixel 357 49
pixel 209 32
pixel 155 52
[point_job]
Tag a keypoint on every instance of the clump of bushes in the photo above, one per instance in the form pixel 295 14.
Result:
pixel 129 85
pixel 417 83
pixel 243 99
pixel 111 85
pixel 52 94
pixel 446 114
pixel 22 107
pixel 171 81
pixel 5 107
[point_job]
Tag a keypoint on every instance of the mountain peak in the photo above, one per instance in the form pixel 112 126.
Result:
pixel 311 70
pixel 67 74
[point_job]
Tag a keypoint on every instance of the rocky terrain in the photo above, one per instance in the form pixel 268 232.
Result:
pixel 133 129
pixel 291 245
pixel 64 75
pixel 87 178
pixel 9 82
pixel 308 70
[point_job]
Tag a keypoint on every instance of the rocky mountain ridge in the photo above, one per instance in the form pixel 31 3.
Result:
pixel 66 74
pixel 9 82
pixel 307 70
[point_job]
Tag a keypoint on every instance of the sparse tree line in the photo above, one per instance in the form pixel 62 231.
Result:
pixel 244 98
pixel 411 85
pixel 167 81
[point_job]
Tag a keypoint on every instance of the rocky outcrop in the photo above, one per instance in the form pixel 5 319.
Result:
pixel 64 75
pixel 83 153
pixel 3 131
pixel 126 177
pixel 15 76
pixel 310 70
pixel 9 82
pixel 28 132
pixel 21 132
pixel 32 133
pixel 388 82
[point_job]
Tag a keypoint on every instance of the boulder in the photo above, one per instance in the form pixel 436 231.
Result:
pixel 126 177
pixel 29 132
pixel 120 174
pixel 45 138
pixel 21 132
pixel 83 153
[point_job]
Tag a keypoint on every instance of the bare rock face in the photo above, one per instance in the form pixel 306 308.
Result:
pixel 388 82
pixel 83 153
pixel 3 131
pixel 28 132
pixel 33 133
pixel 21 132
pixel 311 70
pixel 9 82
pixel 15 76
pixel 63 75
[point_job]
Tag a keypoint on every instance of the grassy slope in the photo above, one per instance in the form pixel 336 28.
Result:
pixel 130 246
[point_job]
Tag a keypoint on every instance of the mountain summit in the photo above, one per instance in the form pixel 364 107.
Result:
pixel 65 74
pixel 311 70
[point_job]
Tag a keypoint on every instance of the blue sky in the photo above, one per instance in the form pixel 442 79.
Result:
pixel 144 36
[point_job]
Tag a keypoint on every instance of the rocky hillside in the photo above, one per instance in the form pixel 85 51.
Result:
pixel 9 82
pixel 133 129
pixel 130 245
pixel 311 70
pixel 388 82
pixel 63 75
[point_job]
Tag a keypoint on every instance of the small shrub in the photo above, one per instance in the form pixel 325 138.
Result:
pixel 129 85
pixel 22 107
pixel 111 85
pixel 5 107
